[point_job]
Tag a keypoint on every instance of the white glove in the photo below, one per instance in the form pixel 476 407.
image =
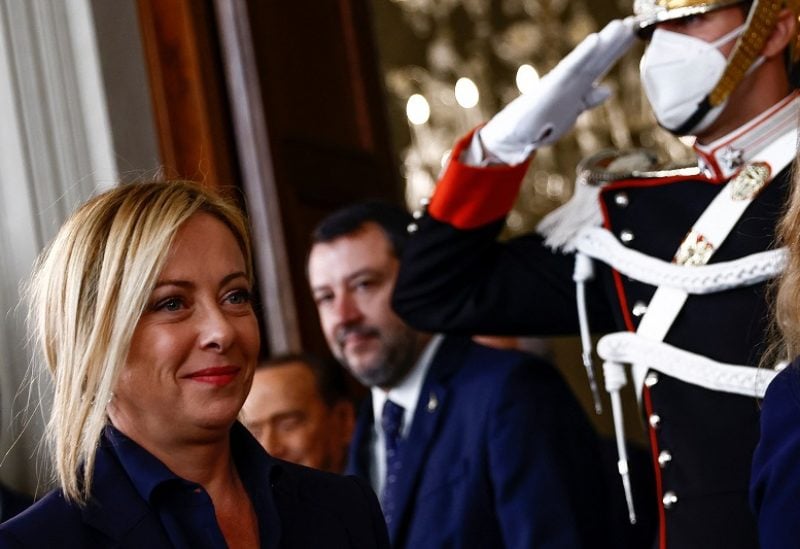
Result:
pixel 543 115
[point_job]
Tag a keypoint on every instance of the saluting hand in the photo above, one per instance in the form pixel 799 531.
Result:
pixel 543 115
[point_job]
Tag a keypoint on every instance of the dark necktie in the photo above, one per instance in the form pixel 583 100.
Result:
pixel 391 422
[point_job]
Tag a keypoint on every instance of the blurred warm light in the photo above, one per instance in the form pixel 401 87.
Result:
pixel 527 78
pixel 417 109
pixel 687 140
pixel 467 93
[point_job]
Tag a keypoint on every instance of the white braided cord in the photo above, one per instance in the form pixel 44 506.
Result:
pixel 631 348
pixel 601 244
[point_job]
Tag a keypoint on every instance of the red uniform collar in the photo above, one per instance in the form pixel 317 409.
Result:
pixel 722 158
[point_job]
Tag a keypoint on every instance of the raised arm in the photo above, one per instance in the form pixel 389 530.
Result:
pixel 455 276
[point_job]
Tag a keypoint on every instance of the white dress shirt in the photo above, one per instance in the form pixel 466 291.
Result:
pixel 406 394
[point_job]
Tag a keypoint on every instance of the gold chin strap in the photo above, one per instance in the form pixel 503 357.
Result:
pixel 759 26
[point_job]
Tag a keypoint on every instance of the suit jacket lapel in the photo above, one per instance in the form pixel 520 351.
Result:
pixel 427 420
pixel 358 460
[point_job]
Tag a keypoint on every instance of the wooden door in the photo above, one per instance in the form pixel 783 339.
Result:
pixel 286 100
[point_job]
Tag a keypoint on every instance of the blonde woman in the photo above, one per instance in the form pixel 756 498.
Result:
pixel 142 310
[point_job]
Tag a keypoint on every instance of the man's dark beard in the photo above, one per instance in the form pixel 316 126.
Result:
pixel 395 360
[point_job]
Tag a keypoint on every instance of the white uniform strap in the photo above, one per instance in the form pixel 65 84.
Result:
pixel 630 348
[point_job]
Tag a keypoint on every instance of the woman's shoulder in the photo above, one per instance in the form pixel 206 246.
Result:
pixel 333 499
pixel 50 522
pixel 775 478
pixel 784 390
pixel 326 487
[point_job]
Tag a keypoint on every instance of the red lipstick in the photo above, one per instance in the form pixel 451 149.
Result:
pixel 219 376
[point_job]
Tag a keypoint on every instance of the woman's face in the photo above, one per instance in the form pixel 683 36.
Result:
pixel 195 347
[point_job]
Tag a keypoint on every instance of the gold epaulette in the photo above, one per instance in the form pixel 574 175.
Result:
pixel 613 165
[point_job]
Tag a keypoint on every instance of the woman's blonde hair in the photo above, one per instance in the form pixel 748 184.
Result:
pixel 784 337
pixel 87 293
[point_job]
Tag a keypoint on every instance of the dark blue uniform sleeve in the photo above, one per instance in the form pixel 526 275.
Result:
pixel 465 281
pixel 775 480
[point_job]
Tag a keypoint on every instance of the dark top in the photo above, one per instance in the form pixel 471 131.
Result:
pixel 184 508
pixel 137 502
pixel 12 502
pixel 775 482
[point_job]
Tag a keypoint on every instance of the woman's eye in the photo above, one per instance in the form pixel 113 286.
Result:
pixel 171 304
pixel 239 297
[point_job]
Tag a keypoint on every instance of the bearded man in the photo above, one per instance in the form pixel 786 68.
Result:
pixel 466 446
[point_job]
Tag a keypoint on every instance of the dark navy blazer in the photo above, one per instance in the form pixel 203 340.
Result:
pixel 499 455
pixel 12 502
pixel 775 480
pixel 312 510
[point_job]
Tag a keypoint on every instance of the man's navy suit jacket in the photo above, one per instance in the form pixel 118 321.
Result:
pixel 499 454
pixel 314 509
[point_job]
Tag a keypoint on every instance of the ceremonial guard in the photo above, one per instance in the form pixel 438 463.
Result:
pixel 672 265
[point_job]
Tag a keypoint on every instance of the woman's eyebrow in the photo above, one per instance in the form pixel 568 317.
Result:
pixel 189 284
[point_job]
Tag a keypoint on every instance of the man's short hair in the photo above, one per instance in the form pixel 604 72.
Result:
pixel 329 377
pixel 392 219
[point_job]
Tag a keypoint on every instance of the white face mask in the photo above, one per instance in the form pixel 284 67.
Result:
pixel 679 71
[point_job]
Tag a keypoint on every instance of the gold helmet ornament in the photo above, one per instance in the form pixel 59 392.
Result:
pixel 759 25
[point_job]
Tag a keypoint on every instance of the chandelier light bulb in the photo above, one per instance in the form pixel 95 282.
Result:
pixel 417 109
pixel 527 78
pixel 467 93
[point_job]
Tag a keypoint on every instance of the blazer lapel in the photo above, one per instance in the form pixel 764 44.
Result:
pixel 117 510
pixel 427 421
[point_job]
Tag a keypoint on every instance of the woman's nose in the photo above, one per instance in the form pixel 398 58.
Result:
pixel 217 332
